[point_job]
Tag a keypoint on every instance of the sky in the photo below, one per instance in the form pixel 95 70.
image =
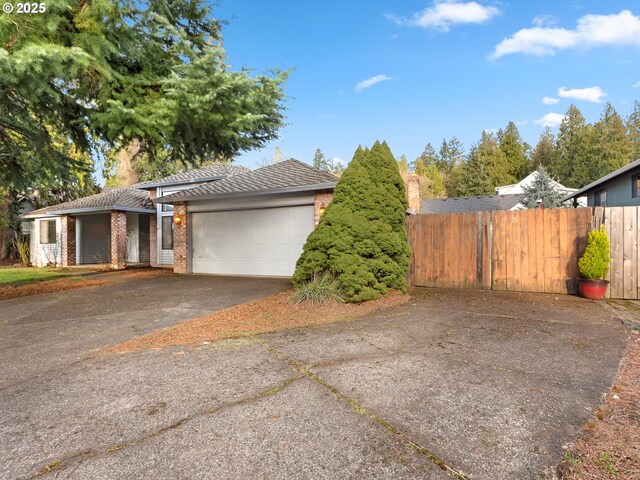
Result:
pixel 413 72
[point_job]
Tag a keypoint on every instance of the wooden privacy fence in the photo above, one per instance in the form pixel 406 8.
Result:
pixel 525 250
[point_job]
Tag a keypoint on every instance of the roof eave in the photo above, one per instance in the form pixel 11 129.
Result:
pixel 180 197
pixel 100 210
pixel 146 186
pixel 606 178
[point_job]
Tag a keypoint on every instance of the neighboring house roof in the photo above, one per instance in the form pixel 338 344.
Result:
pixel 519 187
pixel 604 179
pixel 487 203
pixel 287 176
pixel 215 171
pixel 126 199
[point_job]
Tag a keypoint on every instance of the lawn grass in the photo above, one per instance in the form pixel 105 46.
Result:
pixel 23 276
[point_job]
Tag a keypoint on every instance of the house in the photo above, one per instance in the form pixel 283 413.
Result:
pixel 518 188
pixel 220 219
pixel 487 203
pixel 618 189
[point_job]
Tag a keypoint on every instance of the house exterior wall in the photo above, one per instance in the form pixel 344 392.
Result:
pixel 619 191
pixel 68 240
pixel 43 254
pixel 133 238
pixel 180 238
pixel 321 200
pixel 118 240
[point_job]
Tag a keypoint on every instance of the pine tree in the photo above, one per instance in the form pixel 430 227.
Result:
pixel 575 165
pixel 633 130
pixel 357 239
pixel 515 151
pixel 427 157
pixel 451 154
pixel 545 153
pixel 403 165
pixel 542 191
pixel 473 178
pixel 494 161
pixel 612 148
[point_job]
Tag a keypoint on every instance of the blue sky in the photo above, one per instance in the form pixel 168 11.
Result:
pixel 414 72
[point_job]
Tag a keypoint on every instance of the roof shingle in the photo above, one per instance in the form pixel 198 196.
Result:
pixel 207 173
pixel 124 198
pixel 284 175
pixel 487 203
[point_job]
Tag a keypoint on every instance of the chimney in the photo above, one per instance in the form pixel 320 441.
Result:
pixel 412 184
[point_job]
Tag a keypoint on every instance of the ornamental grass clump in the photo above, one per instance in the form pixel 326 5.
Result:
pixel 594 264
pixel 320 289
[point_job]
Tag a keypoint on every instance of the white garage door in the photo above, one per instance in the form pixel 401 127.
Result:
pixel 250 242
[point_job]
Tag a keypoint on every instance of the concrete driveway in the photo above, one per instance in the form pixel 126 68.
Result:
pixel 482 385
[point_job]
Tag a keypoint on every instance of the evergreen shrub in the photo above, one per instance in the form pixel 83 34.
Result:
pixel 594 264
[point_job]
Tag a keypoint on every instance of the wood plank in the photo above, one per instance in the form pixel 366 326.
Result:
pixel 486 251
pixel 540 248
pixel 630 252
pixel 472 245
pixel 431 252
pixel 556 280
pixel 509 251
pixel 617 253
pixel 529 281
pixel 563 250
pixel 516 250
pixel 441 234
pixel 607 227
pixel 499 266
pixel 525 277
pixel 575 231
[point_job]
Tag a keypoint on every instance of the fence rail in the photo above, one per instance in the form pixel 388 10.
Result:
pixel 527 250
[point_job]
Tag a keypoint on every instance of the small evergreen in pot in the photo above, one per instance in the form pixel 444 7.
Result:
pixel 594 265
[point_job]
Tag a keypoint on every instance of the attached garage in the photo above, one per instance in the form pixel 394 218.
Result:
pixel 265 241
pixel 95 239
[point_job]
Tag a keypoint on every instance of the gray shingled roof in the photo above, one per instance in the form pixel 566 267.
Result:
pixel 210 172
pixel 289 175
pixel 471 204
pixel 122 199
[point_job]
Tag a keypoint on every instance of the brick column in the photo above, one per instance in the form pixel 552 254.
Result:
pixel 321 199
pixel 68 241
pixel 180 238
pixel 118 240
pixel 412 184
pixel 153 232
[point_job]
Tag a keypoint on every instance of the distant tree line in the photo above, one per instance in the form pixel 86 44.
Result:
pixel 579 154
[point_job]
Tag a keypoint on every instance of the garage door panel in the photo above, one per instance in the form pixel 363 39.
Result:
pixel 250 242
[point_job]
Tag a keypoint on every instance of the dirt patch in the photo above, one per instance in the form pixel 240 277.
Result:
pixel 609 445
pixel 47 286
pixel 268 314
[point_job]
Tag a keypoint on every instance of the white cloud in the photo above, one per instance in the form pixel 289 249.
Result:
pixel 545 21
pixel 591 94
pixel 621 29
pixel 636 85
pixel 550 100
pixel 370 82
pixel 522 123
pixel 550 120
pixel 444 13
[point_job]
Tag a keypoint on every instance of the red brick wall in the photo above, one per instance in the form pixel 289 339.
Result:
pixel 118 240
pixel 68 241
pixel 321 198
pixel 180 239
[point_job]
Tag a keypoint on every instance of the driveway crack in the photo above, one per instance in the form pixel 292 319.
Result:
pixel 85 455
pixel 298 367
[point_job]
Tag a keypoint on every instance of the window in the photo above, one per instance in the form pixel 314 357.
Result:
pixel 167 207
pixel 25 228
pixel 635 183
pixel 600 198
pixel 167 233
pixel 48 231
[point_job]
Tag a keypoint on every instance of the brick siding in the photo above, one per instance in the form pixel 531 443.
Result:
pixel 118 240
pixel 180 239
pixel 68 241
pixel 321 198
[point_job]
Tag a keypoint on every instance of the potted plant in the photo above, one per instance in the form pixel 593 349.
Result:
pixel 594 265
